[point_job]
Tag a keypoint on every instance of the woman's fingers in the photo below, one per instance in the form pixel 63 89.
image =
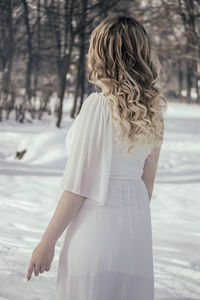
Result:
pixel 30 270
pixel 47 267
pixel 42 268
pixel 41 259
pixel 36 269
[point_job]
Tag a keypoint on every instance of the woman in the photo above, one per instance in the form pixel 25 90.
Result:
pixel 113 149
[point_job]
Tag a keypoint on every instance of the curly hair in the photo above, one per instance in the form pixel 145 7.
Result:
pixel 121 62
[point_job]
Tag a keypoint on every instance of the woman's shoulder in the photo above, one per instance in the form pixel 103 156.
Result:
pixel 95 96
pixel 95 101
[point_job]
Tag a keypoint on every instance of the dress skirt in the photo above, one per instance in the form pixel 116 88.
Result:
pixel 106 252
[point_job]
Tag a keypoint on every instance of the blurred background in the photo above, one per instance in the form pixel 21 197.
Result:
pixel 43 83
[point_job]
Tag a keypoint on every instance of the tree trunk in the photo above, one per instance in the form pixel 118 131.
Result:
pixel 29 48
pixel 65 61
pixel 80 79
pixel 7 61
pixel 189 80
pixel 180 79
pixel 37 58
pixel 62 81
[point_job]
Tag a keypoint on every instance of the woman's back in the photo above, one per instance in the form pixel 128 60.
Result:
pixel 124 165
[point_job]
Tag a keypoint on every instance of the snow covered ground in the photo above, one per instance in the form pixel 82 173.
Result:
pixel 175 207
pixel 29 192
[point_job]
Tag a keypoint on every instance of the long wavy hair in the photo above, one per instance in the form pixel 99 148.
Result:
pixel 121 62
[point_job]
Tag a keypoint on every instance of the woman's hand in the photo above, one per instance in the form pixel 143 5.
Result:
pixel 41 259
pixel 43 254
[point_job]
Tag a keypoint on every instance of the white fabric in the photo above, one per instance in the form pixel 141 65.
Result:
pixel 89 151
pixel 106 252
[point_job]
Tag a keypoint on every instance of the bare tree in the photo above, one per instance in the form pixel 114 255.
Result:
pixel 190 14
pixel 6 52
pixel 29 48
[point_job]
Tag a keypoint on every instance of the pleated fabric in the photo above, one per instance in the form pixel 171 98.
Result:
pixel 106 251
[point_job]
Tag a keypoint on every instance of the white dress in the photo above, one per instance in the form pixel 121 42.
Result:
pixel 106 252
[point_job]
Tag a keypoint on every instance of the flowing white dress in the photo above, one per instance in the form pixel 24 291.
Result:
pixel 106 252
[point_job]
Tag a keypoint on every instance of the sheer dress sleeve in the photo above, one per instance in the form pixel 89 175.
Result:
pixel 89 151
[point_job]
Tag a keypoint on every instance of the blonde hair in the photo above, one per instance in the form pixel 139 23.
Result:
pixel 121 63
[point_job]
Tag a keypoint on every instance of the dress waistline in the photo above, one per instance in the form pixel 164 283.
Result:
pixel 124 178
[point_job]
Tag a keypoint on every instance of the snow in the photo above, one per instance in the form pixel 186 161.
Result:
pixel 30 190
pixel 175 206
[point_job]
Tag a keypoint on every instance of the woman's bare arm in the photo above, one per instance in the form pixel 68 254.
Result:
pixel 66 209
pixel 150 168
